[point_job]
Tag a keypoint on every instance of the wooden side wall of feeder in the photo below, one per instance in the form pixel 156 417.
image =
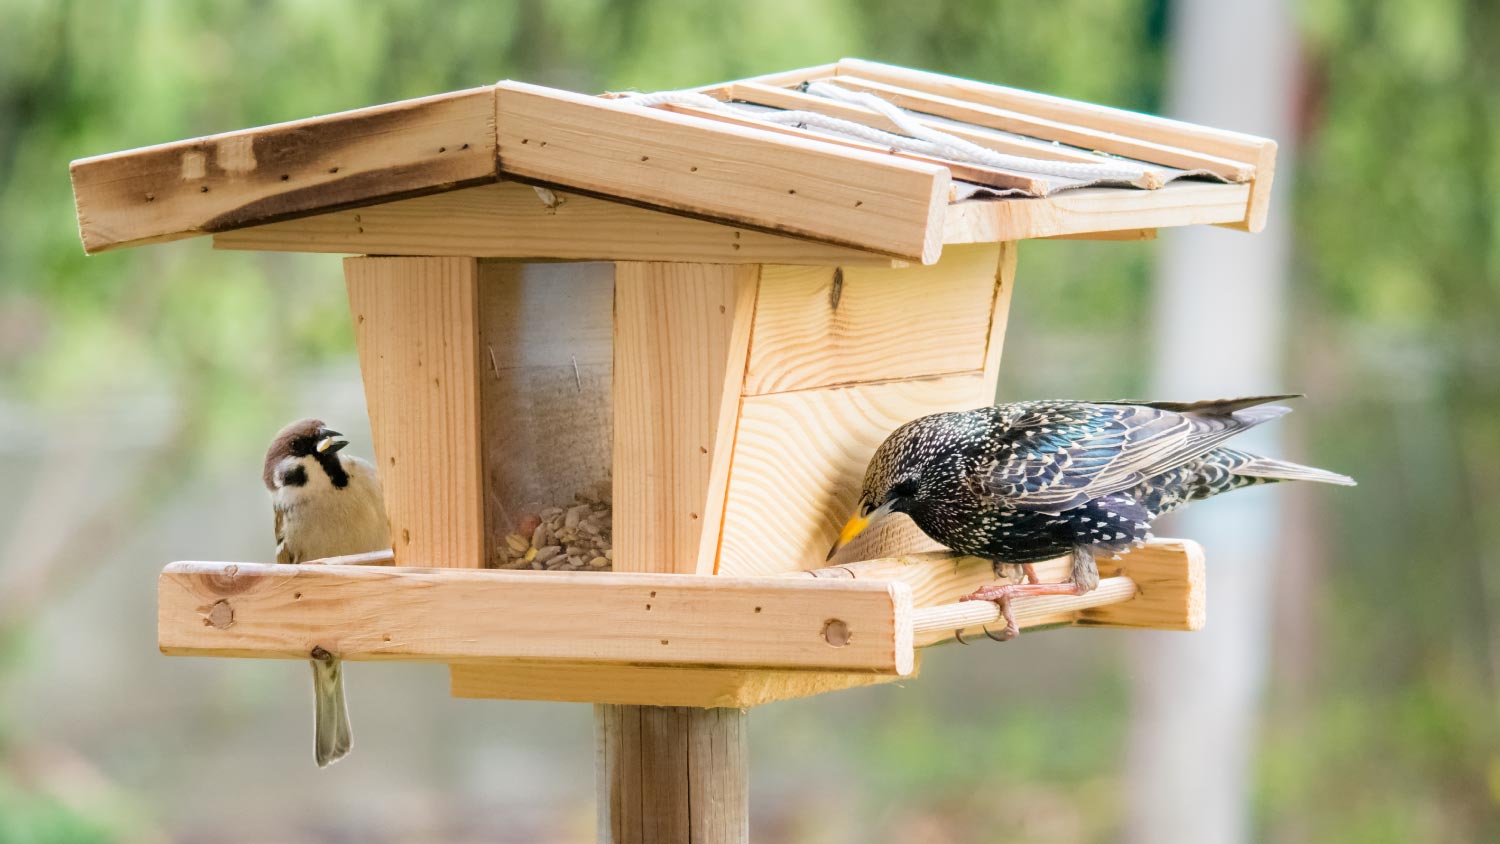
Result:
pixel 839 358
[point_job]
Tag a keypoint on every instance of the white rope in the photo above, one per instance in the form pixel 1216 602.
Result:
pixel 918 138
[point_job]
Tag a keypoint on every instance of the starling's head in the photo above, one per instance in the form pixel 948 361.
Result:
pixel 899 473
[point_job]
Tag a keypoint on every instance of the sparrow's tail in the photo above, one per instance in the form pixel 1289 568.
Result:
pixel 332 735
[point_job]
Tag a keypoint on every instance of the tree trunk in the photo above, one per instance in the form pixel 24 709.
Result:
pixel 1218 329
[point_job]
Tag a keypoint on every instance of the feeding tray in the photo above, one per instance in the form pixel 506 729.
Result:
pixel 719 314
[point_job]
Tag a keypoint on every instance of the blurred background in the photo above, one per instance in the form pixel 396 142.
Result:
pixel 1347 687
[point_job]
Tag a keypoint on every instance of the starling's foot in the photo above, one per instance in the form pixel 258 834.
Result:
pixel 1003 595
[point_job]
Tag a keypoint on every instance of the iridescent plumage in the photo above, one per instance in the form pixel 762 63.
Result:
pixel 1029 481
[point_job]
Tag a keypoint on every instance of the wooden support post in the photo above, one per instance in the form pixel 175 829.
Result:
pixel 672 775
pixel 682 335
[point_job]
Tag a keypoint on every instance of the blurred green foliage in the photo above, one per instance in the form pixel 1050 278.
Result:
pixel 1397 292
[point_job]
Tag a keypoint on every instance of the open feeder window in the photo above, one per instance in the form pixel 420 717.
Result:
pixel 626 359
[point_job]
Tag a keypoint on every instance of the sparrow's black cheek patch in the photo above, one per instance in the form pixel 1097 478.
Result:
pixel 295 476
pixel 333 469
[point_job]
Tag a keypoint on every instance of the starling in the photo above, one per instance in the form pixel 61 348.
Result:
pixel 1028 481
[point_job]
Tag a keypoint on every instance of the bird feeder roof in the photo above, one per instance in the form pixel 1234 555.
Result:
pixel 934 160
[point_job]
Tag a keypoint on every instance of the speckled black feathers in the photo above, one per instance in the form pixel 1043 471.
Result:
pixel 1028 481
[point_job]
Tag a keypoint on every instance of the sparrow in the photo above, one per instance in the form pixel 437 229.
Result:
pixel 1028 481
pixel 326 504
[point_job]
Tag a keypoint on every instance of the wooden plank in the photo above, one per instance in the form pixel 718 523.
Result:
pixel 682 333
pixel 978 174
pixel 818 327
pixel 1217 142
pixel 735 174
pixel 799 459
pixel 789 77
pixel 1005 285
pixel 1052 130
pixel 255 176
pixel 672 775
pixel 475 615
pixel 1117 235
pixel 1260 191
pixel 1168 576
pixel 1010 144
pixel 510 220
pixel 546 355
pixel 416 325
pixel 648 685
pixel 1183 203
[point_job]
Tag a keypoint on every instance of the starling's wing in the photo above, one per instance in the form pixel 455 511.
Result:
pixel 1057 455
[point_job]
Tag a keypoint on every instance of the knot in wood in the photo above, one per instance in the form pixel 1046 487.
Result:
pixel 836 632
pixel 220 615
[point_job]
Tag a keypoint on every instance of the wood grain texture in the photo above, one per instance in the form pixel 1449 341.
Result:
pixel 1005 285
pixel 1219 142
pixel 648 685
pixel 799 459
pixel 681 337
pixel 1181 203
pixel 511 220
pixel 734 174
pixel 1168 578
pixel 416 323
pixel 546 385
pixel 817 327
pixel 255 176
pixel 476 615
pixel 672 775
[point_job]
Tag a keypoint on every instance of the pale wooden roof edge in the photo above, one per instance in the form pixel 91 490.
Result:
pixel 759 177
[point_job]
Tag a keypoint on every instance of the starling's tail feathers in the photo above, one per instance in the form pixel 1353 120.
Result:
pixel 1271 469
pixel 1220 407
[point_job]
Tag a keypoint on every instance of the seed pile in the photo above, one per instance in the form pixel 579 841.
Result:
pixel 571 538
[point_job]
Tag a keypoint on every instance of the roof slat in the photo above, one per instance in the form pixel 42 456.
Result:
pixel 255 176
pixel 1051 130
pixel 1181 203
pixel 736 174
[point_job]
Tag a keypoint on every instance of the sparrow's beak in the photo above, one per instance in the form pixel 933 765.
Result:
pixel 856 526
pixel 329 441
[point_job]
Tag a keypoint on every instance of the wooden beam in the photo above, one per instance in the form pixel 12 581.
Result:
pixel 477 615
pixel 673 775
pixel 1116 235
pixel 278 172
pixel 821 327
pixel 1168 577
pixel 1181 203
pixel 1053 130
pixel 512 220
pixel 682 333
pixel 1222 143
pixel 648 685
pixel 416 324
pixel 735 174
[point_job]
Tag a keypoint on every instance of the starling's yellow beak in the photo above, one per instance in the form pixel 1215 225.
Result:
pixel 856 526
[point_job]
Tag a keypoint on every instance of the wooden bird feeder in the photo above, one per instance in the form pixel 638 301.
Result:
pixel 720 314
